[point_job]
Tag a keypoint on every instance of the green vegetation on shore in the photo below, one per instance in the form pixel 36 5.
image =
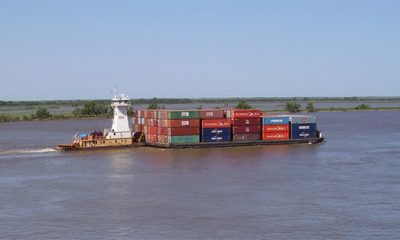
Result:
pixel 82 109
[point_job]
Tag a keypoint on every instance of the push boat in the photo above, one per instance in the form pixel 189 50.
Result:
pixel 119 136
pixel 122 136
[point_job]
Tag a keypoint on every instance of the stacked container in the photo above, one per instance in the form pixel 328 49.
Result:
pixel 303 127
pixel 150 125
pixel 275 128
pixel 246 124
pixel 214 127
pixel 177 126
pixel 137 122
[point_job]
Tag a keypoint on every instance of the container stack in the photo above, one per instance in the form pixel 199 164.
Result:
pixel 246 124
pixel 214 127
pixel 303 127
pixel 150 125
pixel 166 127
pixel 275 128
pixel 137 122
pixel 177 126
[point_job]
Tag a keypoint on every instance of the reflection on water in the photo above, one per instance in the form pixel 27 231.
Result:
pixel 346 188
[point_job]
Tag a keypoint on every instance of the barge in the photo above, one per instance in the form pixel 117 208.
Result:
pixel 196 129
pixel 235 144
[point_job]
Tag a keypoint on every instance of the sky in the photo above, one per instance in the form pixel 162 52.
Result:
pixel 52 50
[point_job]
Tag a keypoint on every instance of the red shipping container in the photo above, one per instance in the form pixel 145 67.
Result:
pixel 179 123
pixel 151 137
pixel 276 128
pixel 246 137
pixel 150 130
pixel 137 127
pixel 150 122
pixel 180 131
pixel 247 121
pixel 162 139
pixel 211 114
pixel 271 136
pixel 146 114
pixel 216 123
pixel 246 129
pixel 241 113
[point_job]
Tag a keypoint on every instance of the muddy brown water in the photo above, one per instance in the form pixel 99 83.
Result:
pixel 346 188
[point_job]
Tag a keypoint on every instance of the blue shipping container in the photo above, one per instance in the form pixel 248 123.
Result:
pixel 275 120
pixel 304 127
pixel 216 138
pixel 216 131
pixel 304 134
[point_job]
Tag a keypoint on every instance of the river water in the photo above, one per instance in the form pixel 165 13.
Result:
pixel 346 188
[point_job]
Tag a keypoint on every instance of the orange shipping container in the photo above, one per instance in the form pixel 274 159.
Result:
pixel 276 128
pixel 178 131
pixel 216 123
pixel 271 136
pixel 179 123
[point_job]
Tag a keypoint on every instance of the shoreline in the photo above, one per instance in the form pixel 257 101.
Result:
pixel 4 118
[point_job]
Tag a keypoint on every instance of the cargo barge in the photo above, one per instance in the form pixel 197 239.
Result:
pixel 223 128
pixel 196 129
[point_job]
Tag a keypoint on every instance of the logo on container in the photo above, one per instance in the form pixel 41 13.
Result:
pixel 304 134
pixel 276 120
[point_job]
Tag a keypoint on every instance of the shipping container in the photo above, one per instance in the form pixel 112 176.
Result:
pixel 299 119
pixel 246 137
pixel 184 139
pixel 271 136
pixel 216 138
pixel 150 122
pixel 150 130
pixel 163 139
pixel 215 131
pixel 178 131
pixel 151 137
pixel 246 129
pixel 275 120
pixel 137 128
pixel 241 113
pixel 216 123
pixel 303 134
pixel 179 123
pixel 178 114
pixel 246 121
pixel 276 128
pixel 304 127
pixel 211 114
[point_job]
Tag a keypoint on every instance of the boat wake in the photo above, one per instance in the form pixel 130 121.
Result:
pixel 27 151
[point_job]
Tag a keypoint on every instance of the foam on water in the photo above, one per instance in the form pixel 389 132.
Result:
pixel 26 151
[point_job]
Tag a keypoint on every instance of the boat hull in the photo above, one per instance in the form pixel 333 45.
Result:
pixel 236 144
pixel 95 144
